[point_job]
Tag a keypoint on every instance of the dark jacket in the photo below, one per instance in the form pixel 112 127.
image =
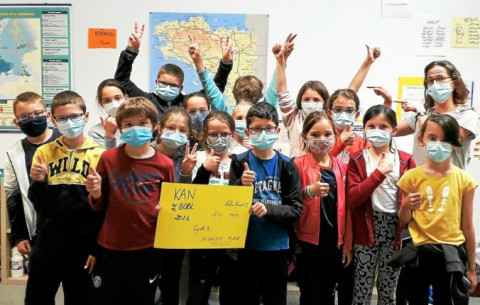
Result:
pixel 291 208
pixel 124 70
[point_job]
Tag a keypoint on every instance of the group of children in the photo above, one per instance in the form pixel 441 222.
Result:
pixel 86 216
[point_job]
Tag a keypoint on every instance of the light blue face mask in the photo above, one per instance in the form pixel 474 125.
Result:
pixel 240 126
pixel 197 120
pixel 263 141
pixel 71 129
pixel 310 107
pixel 378 137
pixel 343 119
pixel 174 139
pixel 167 93
pixel 438 151
pixel 440 91
pixel 136 135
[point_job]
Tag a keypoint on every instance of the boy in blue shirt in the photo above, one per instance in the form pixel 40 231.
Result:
pixel 276 206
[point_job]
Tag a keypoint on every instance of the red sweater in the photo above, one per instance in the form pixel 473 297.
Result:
pixel 130 192
pixel 340 150
pixel 307 227
pixel 360 189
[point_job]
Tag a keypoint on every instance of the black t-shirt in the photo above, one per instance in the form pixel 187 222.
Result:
pixel 30 148
pixel 328 238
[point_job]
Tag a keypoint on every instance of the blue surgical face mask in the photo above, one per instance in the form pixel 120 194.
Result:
pixel 136 135
pixel 174 139
pixel 310 107
pixel 71 129
pixel 167 93
pixel 197 120
pixel 343 119
pixel 378 137
pixel 438 151
pixel 263 141
pixel 240 126
pixel 440 91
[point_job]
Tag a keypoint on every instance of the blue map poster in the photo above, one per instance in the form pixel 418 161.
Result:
pixel 169 44
pixel 35 54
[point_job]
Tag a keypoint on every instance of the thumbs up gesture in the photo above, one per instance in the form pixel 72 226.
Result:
pixel 385 165
pixel 414 199
pixel 248 176
pixel 347 136
pixel 212 162
pixel 38 171
pixel 94 183
pixel 319 188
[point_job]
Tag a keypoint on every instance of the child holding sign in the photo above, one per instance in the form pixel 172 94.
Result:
pixel 126 185
pixel 277 204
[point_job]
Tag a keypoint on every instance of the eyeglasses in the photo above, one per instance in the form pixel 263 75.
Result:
pixel 75 117
pixel 34 114
pixel 193 112
pixel 173 86
pixel 338 110
pixel 439 79
pixel 268 129
pixel 215 135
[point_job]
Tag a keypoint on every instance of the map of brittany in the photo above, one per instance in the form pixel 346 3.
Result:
pixel 169 38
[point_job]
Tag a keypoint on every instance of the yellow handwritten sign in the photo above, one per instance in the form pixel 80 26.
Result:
pixel 466 32
pixel 194 216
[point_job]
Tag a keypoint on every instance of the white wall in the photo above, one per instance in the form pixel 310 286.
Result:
pixel 330 45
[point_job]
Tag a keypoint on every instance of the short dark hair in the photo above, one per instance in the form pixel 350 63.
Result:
pixel 109 83
pixel 173 70
pixel 29 98
pixel 460 93
pixel 317 86
pixel 65 98
pixel 262 110
pixel 195 94
pixel 449 125
pixel 221 116
pixel 346 93
pixel 380 109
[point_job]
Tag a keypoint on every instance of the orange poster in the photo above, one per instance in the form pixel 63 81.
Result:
pixel 102 38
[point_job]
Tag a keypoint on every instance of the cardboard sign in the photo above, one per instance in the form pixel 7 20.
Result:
pixel 102 38
pixel 194 216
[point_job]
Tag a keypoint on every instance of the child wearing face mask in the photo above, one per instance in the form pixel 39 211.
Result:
pixel 173 141
pixel 67 227
pixel 438 208
pixel 110 96
pixel 445 93
pixel 312 96
pixel 374 200
pixel 169 81
pixel 324 230
pixel 198 107
pixel 126 187
pixel 219 128
pixel 241 141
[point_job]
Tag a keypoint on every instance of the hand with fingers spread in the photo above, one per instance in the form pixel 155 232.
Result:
pixel 212 162
pixel 135 39
pixel 282 52
pixel 387 97
pixel 190 160
pixel 319 188
pixel 373 53
pixel 38 171
pixel 347 136
pixel 385 165
pixel 248 176
pixel 94 183
pixel 227 50
pixel 414 199
pixel 110 126
pixel 258 209
pixel 289 46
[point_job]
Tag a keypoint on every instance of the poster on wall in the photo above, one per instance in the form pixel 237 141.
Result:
pixel 169 37
pixel 35 43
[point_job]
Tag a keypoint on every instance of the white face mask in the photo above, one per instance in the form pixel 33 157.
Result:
pixel 310 107
pixel 111 108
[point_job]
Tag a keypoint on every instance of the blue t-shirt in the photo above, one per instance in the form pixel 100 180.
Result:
pixel 264 234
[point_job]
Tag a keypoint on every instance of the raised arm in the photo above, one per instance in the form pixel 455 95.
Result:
pixel 225 66
pixel 372 55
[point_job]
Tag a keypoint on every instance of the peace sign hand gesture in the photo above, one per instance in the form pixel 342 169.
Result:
pixel 190 160
pixel 135 39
